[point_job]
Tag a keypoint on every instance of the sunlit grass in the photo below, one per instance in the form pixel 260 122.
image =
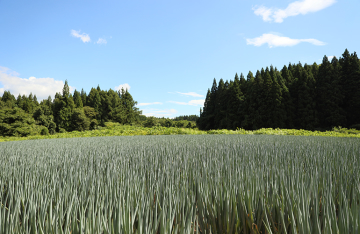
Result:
pixel 115 129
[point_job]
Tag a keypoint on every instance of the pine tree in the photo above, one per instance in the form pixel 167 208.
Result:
pixel 210 112
pixel 235 100
pixel 66 89
pixel 83 97
pixel 94 101
pixel 203 119
pixel 63 108
pixel 131 112
pixel 220 105
pixel 353 101
pixel 328 95
pixel 306 113
pixel 77 99
pixel 254 118
pixel 278 114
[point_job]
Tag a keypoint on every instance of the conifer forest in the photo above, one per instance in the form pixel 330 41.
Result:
pixel 312 97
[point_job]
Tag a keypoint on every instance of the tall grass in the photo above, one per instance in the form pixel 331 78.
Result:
pixel 116 129
pixel 181 184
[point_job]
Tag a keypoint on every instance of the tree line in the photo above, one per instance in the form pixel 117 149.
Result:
pixel 297 97
pixel 79 111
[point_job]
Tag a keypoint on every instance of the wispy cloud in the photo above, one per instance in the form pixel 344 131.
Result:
pixel 275 40
pixel 84 37
pixel 101 41
pixel 124 86
pixel 41 87
pixel 330 57
pixel 192 94
pixel 149 103
pixel 159 112
pixel 198 102
pixel 295 8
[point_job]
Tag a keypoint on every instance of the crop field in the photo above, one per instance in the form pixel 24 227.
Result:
pixel 181 184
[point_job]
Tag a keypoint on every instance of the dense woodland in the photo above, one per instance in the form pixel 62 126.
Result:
pixel 312 97
pixel 296 97
pixel 79 111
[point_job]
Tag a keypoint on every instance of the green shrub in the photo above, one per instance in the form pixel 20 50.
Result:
pixel 44 131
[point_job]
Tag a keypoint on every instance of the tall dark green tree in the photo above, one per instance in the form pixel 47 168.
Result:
pixel 209 110
pixel 278 112
pixel 352 106
pixel 306 108
pixel 83 97
pixel 63 108
pixel 77 99
pixel 235 105
pixel 328 95
pixel 94 101
pixel 131 112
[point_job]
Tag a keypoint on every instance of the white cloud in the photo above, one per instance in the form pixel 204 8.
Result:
pixel 192 94
pixel 41 87
pixel 274 41
pixel 150 103
pixel 295 8
pixel 84 37
pixel 198 102
pixel 124 86
pixel 264 12
pixel 159 112
pixel 101 41
pixel 330 57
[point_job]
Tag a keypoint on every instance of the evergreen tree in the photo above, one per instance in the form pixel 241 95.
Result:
pixel 106 108
pixel 116 113
pixel 210 107
pixel 83 97
pixel 353 101
pixel 77 99
pixel 131 112
pixel 306 113
pixel 94 101
pixel 63 108
pixel 328 96
pixel 278 114
pixel 220 105
pixel 8 100
pixel 203 120
pixel 235 100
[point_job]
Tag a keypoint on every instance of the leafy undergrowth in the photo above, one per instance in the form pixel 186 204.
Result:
pixel 115 129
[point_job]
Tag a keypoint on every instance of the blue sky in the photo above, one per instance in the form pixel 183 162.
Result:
pixel 166 52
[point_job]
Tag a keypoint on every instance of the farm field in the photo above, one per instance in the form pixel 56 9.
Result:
pixel 181 184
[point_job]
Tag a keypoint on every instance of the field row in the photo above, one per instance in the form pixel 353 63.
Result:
pixel 181 184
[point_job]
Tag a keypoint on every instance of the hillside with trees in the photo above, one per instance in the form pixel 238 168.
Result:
pixel 24 115
pixel 312 97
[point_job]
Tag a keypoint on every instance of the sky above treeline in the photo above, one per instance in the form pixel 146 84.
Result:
pixel 165 52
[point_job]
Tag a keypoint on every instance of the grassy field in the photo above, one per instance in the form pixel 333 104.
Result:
pixel 181 184
pixel 114 129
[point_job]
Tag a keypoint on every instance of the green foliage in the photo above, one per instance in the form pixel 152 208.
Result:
pixel 117 129
pixel 150 122
pixel 44 131
pixel 66 112
pixel 301 97
pixel 77 99
pixel 16 122
pixel 79 121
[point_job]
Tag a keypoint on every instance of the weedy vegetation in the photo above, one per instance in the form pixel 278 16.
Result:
pixel 181 184
pixel 116 129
